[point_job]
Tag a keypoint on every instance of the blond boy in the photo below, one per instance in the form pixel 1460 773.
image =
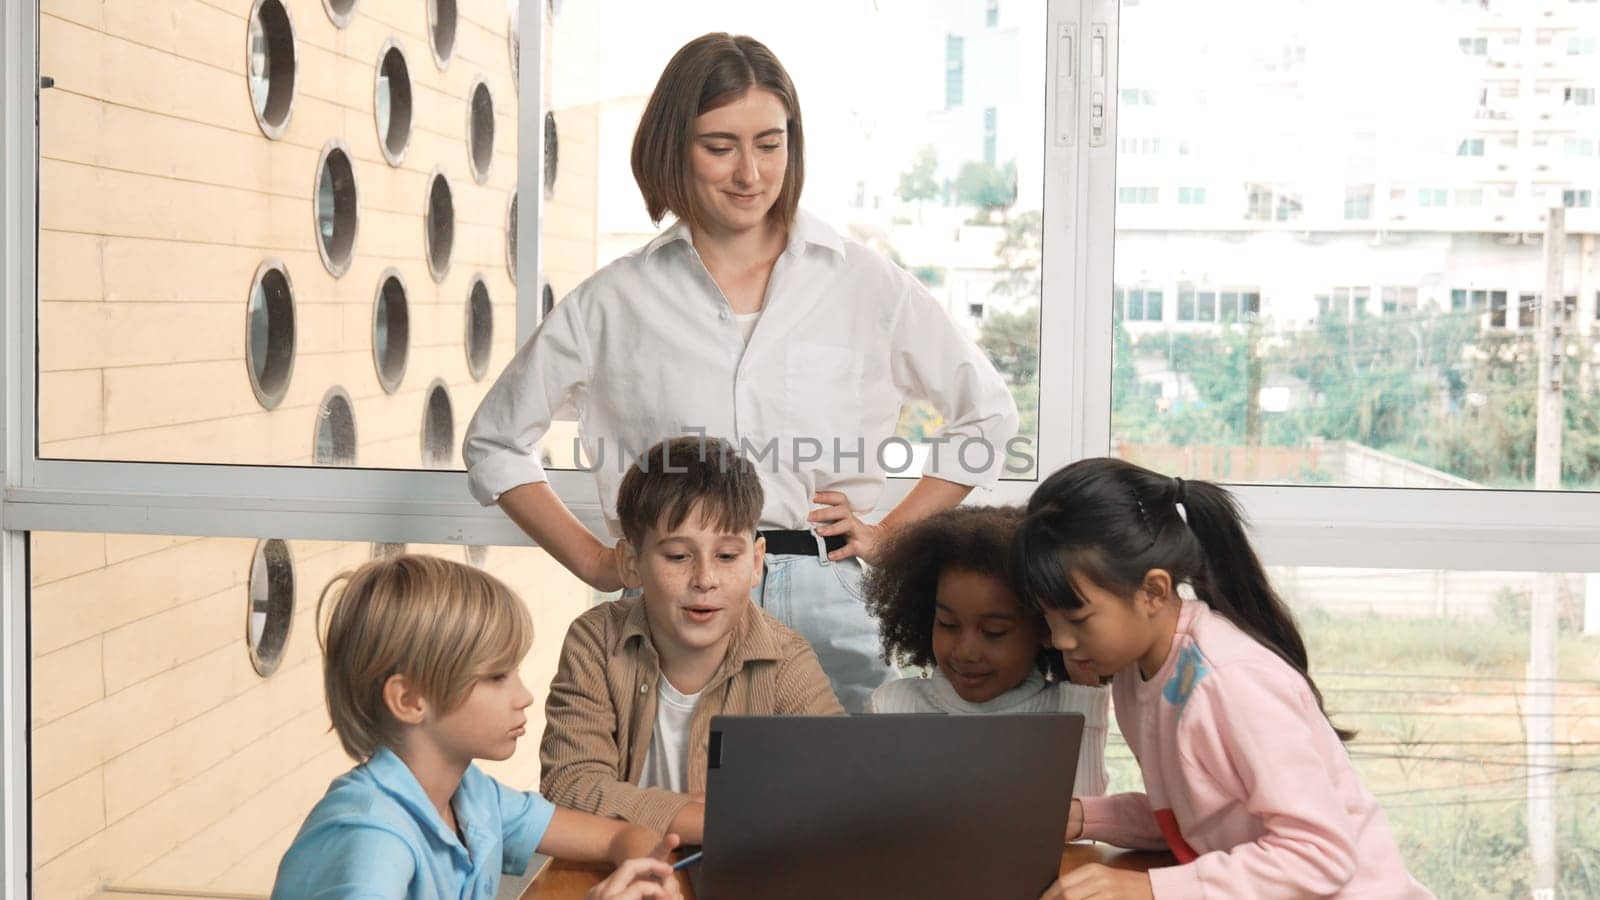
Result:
pixel 629 713
pixel 420 659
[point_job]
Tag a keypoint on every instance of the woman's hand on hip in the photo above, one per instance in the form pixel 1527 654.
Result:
pixel 862 540
pixel 605 571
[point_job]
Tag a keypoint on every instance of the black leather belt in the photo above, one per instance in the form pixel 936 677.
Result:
pixel 799 543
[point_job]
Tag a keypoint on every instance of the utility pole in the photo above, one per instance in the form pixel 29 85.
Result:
pixel 1541 683
pixel 1252 403
pixel 1588 378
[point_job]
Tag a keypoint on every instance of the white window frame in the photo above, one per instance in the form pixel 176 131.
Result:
pixel 1293 524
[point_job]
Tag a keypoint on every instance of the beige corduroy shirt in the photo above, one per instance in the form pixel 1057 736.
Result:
pixel 601 712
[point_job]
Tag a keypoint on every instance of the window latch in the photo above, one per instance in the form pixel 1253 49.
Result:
pixel 1097 84
pixel 1066 85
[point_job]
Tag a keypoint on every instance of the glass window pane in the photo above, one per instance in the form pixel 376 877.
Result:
pixel 930 151
pixel 1376 213
pixel 216 226
pixel 168 757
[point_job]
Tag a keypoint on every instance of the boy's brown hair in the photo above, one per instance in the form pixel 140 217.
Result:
pixel 710 71
pixel 442 624
pixel 684 474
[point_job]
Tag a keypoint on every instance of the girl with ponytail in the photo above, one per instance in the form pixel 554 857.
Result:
pixel 1247 781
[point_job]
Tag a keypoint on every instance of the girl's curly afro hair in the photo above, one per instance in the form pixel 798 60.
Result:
pixel 900 590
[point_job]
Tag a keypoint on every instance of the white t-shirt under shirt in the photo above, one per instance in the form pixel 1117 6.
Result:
pixel 666 763
pixel 935 694
pixel 747 324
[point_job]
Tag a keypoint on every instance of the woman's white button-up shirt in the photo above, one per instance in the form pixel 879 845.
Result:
pixel 647 349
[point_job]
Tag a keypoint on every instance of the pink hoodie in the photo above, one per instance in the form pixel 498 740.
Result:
pixel 1247 784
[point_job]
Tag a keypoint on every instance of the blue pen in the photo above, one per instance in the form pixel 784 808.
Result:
pixel 687 861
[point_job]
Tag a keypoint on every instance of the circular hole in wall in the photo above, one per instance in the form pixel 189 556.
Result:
pixel 339 11
pixel 335 207
pixel 271 609
pixel 552 154
pixel 334 443
pixel 391 103
pixel 269 333
pixel 480 130
pixel 511 238
pixel 442 30
pixel 438 428
pixel 439 225
pixel 391 330
pixel 270 65
pixel 480 328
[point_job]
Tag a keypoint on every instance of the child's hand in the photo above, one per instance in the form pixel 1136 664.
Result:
pixel 639 842
pixel 1075 820
pixel 638 879
pixel 1097 882
pixel 646 876
pixel 664 847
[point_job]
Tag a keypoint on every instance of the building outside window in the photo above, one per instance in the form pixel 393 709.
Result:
pixel 990 133
pixel 1258 202
pixel 1139 304
pixel 954 70
pixel 1358 203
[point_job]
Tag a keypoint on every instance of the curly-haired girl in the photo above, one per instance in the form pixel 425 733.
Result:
pixel 944 600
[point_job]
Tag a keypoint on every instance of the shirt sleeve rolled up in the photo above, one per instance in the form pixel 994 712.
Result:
pixel 540 383
pixel 933 360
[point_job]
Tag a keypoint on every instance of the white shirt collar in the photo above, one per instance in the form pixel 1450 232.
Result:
pixel 807 230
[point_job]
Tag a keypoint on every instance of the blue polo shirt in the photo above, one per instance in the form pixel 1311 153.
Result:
pixel 376 835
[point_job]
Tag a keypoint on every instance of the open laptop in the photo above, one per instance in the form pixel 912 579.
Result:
pixel 886 806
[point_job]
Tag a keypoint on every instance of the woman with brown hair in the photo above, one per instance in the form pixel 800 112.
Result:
pixel 750 320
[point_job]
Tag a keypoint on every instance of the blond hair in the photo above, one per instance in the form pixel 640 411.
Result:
pixel 442 624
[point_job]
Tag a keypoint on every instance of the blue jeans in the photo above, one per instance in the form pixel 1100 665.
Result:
pixel 822 601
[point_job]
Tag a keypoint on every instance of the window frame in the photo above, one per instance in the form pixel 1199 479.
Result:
pixel 1292 524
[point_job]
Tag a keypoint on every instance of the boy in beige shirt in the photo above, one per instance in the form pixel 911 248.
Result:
pixel 629 713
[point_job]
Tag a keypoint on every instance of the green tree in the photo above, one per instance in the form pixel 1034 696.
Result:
pixel 918 184
pixel 991 189
pixel 1427 385
pixel 1018 253
pixel 1011 341
pixel 1490 435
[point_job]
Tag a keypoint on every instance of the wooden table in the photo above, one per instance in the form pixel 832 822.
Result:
pixel 560 880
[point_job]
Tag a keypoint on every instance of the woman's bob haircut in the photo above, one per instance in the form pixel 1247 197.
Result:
pixel 710 71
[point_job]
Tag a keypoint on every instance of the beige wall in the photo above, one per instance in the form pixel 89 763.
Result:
pixel 160 759
pixel 160 197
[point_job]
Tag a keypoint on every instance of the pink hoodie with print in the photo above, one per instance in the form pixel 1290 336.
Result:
pixel 1247 784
